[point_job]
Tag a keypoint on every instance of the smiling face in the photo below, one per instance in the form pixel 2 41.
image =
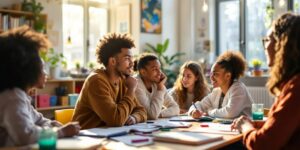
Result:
pixel 219 76
pixel 188 78
pixel 152 72
pixel 269 46
pixel 124 63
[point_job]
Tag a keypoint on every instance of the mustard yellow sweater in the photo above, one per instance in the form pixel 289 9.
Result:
pixel 103 104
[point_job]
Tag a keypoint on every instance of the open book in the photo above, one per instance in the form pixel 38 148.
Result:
pixel 118 131
pixel 170 124
pixel 188 138
pixel 191 119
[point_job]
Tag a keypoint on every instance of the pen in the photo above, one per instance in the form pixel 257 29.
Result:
pixel 139 140
pixel 195 106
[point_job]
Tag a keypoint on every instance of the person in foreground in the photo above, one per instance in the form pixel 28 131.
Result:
pixel 22 69
pixel 190 86
pixel 151 90
pixel 282 128
pixel 230 97
pixel 107 97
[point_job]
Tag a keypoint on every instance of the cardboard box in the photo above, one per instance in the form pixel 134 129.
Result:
pixel 63 100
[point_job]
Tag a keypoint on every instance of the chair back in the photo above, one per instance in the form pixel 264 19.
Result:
pixel 64 115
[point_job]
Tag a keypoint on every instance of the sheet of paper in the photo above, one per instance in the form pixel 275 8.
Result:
pixel 171 124
pixel 216 128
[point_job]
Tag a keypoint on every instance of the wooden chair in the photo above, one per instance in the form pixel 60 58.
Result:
pixel 64 115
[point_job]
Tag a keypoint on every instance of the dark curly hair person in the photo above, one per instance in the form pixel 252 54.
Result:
pixel 230 97
pixel 21 69
pixel 282 128
pixel 107 96
pixel 190 86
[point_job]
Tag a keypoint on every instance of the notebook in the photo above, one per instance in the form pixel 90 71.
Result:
pixel 118 131
pixel 170 124
pixel 76 142
pixel 188 138
pixel 104 132
pixel 191 119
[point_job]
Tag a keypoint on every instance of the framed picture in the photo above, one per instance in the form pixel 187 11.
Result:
pixel 123 18
pixel 151 16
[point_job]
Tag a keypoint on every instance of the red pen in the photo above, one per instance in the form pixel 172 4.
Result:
pixel 204 125
pixel 139 140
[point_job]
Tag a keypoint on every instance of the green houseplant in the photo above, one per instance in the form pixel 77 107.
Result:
pixel 167 62
pixel 257 63
pixel 35 8
pixel 54 61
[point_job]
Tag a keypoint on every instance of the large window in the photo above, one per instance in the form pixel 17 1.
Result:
pixel 84 23
pixel 228 30
pixel 296 6
pixel 256 28
pixel 241 24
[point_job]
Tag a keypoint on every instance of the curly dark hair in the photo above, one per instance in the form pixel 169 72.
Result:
pixel 142 60
pixel 201 88
pixel 110 45
pixel 286 31
pixel 233 62
pixel 20 63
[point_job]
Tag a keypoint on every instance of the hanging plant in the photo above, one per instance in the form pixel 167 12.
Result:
pixel 269 14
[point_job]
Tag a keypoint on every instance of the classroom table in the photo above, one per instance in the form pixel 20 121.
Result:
pixel 110 144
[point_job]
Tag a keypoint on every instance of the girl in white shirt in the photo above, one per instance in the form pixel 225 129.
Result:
pixel 190 86
pixel 230 97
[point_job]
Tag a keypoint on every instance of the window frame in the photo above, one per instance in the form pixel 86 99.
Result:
pixel 86 4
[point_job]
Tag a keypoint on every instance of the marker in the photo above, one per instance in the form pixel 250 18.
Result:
pixel 204 125
pixel 139 140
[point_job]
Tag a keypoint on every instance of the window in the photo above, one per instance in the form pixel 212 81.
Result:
pixel 256 29
pixel 229 25
pixel 84 23
pixel 296 6
pixel 241 24
pixel 73 31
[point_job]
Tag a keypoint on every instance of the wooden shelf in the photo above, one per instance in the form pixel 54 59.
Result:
pixel 54 108
pixel 17 12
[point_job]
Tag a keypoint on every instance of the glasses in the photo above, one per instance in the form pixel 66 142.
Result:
pixel 265 40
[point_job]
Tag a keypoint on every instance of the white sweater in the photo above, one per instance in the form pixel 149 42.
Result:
pixel 19 121
pixel 237 101
pixel 157 102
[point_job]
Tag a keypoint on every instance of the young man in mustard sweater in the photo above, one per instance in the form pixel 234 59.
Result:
pixel 107 97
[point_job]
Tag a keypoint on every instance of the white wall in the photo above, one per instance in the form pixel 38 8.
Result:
pixel 53 9
pixel 8 3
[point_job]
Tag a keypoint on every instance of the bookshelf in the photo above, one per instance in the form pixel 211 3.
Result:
pixel 71 86
pixel 10 19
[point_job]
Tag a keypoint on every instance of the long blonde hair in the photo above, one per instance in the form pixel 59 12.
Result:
pixel 286 31
pixel 201 87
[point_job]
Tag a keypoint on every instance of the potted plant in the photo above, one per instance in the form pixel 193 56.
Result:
pixel 167 62
pixel 256 63
pixel 35 8
pixel 54 61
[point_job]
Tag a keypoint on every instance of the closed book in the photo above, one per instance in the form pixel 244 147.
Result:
pixel 187 138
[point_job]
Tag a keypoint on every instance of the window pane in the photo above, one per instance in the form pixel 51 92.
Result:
pixel 256 29
pixel 97 28
pixel 229 15
pixel 73 34
pixel 297 6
